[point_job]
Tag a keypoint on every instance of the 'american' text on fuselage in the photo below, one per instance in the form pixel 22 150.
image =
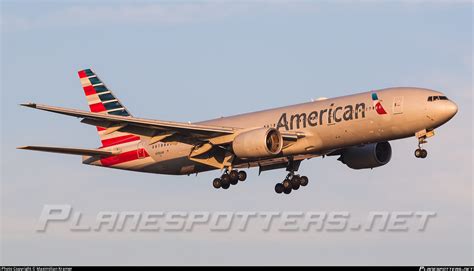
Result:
pixel 314 118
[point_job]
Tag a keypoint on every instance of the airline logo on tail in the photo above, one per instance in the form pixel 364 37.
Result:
pixel 99 97
pixel 378 106
pixel 102 100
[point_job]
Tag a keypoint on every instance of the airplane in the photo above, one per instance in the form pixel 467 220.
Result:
pixel 357 128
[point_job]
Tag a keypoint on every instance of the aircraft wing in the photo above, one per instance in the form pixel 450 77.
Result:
pixel 156 129
pixel 134 125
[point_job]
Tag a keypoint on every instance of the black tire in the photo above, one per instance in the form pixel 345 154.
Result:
pixel 226 186
pixel 286 184
pixel 424 153
pixel 418 153
pixel 234 181
pixel 242 176
pixel 295 183
pixel 234 175
pixel 217 183
pixel 279 188
pixel 225 180
pixel 304 181
pixel 287 190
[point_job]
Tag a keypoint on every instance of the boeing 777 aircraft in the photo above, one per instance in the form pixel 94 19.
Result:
pixel 356 128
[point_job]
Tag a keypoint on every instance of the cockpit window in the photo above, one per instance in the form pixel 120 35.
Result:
pixel 437 98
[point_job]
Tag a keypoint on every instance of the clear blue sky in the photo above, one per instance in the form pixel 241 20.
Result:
pixel 190 61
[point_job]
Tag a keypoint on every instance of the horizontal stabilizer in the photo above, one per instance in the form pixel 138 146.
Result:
pixel 91 152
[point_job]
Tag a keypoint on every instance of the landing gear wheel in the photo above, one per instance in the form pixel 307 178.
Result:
pixel 424 153
pixel 226 185
pixel 225 181
pixel 242 176
pixel 287 190
pixel 234 175
pixel 217 183
pixel 234 181
pixel 279 188
pixel 286 184
pixel 421 153
pixel 295 183
pixel 304 181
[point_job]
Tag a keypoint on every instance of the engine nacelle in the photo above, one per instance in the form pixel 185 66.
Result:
pixel 258 143
pixel 367 156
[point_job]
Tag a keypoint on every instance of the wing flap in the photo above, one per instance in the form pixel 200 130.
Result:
pixel 74 151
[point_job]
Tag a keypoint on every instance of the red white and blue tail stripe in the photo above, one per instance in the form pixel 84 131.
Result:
pixel 99 97
pixel 102 100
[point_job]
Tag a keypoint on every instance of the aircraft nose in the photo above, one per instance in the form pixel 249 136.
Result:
pixel 450 109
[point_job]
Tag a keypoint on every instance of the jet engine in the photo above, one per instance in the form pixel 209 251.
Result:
pixel 367 156
pixel 258 143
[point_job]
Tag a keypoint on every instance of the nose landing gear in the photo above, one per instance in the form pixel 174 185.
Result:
pixel 422 136
pixel 421 153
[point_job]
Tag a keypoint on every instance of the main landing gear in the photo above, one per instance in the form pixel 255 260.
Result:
pixel 229 178
pixel 291 182
pixel 422 136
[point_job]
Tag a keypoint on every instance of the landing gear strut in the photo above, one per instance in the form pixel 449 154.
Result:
pixel 229 178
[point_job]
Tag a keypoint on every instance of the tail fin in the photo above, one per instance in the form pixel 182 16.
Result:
pixel 102 100
pixel 99 97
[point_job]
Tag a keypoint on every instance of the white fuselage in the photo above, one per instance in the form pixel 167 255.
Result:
pixel 327 124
